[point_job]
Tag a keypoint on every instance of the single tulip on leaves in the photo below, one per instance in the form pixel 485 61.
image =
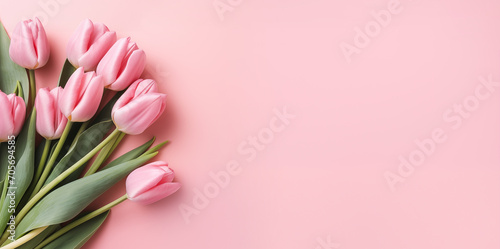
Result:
pixel 82 95
pixel 122 65
pixel 138 108
pixel 50 122
pixel 29 47
pixel 89 44
pixel 12 115
pixel 151 183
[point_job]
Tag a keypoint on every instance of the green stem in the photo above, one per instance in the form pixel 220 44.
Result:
pixel 50 164
pixel 32 94
pixel 117 142
pixel 59 179
pixel 80 221
pixel 103 155
pixel 80 131
pixel 25 239
pixel 41 165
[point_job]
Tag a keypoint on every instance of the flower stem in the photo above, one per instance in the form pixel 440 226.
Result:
pixel 21 241
pixel 81 220
pixel 59 179
pixel 104 154
pixel 83 127
pixel 32 94
pixel 50 164
pixel 41 165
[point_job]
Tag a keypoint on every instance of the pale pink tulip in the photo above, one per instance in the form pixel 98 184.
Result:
pixel 82 95
pixel 12 115
pixel 29 47
pixel 50 122
pixel 138 108
pixel 139 87
pixel 122 65
pixel 151 183
pixel 89 44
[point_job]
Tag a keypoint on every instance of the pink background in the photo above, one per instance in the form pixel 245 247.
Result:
pixel 321 178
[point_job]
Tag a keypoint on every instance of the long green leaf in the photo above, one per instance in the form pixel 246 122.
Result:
pixel 25 159
pixel 105 113
pixel 39 238
pixel 69 200
pixel 133 154
pixel 10 72
pixel 3 160
pixel 66 72
pixel 86 142
pixel 78 236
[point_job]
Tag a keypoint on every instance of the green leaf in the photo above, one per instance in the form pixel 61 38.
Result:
pixel 10 72
pixel 105 113
pixel 86 142
pixel 78 236
pixel 133 154
pixel 69 200
pixel 39 238
pixel 3 160
pixel 19 90
pixel 66 72
pixel 25 159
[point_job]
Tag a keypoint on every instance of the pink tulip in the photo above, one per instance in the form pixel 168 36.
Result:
pixel 12 114
pixel 122 65
pixel 89 44
pixel 82 95
pixel 50 122
pixel 29 47
pixel 138 108
pixel 151 183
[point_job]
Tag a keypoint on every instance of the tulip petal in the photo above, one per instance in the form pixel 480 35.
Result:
pixel 96 51
pixel 18 112
pixel 22 50
pixel 42 44
pixel 79 42
pixel 71 93
pixel 136 116
pixel 110 64
pixel 90 100
pixel 157 193
pixel 143 179
pixel 7 123
pixel 131 70
pixel 45 113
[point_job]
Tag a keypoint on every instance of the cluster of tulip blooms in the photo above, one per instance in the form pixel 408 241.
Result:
pixel 44 189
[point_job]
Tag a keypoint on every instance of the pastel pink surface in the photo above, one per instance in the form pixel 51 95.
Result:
pixel 322 175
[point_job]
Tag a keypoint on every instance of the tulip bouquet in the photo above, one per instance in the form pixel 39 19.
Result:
pixel 46 186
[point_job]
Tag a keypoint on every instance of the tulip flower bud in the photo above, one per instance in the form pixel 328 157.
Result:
pixel 151 183
pixel 122 65
pixel 82 95
pixel 50 122
pixel 89 44
pixel 12 115
pixel 29 47
pixel 138 108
